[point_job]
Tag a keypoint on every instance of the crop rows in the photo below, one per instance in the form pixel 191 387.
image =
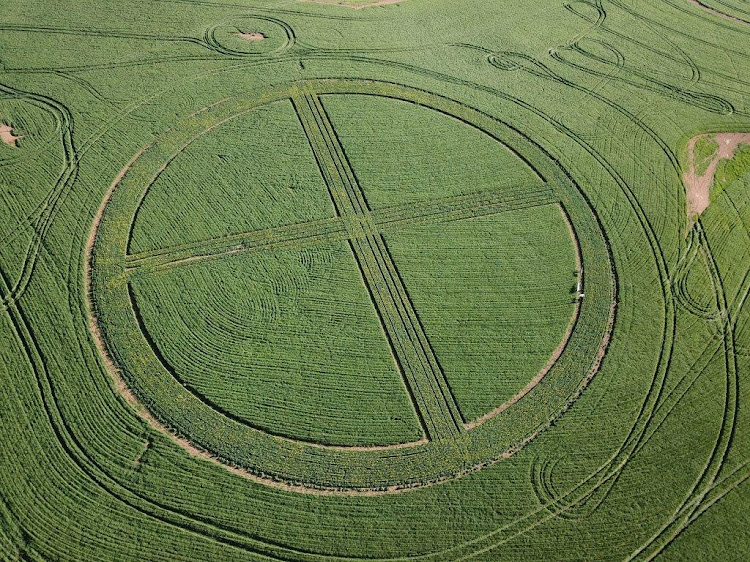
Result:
pixel 224 233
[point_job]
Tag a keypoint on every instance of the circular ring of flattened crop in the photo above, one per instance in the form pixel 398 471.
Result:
pixel 451 448
pixel 247 36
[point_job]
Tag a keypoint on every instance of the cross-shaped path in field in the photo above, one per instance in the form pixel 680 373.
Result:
pixel 363 228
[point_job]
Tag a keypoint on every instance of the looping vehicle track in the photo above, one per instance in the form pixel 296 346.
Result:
pixel 308 283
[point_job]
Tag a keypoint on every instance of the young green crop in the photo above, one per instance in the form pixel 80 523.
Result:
pixel 637 452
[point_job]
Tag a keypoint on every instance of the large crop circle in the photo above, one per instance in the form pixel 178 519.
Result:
pixel 451 446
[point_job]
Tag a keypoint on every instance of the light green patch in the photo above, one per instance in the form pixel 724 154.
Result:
pixel 703 152
pixel 729 171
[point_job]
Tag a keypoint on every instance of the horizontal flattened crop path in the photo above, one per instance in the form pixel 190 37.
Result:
pixel 355 5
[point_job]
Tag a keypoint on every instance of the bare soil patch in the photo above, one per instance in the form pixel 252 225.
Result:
pixel 7 136
pixel 355 5
pixel 252 36
pixel 697 187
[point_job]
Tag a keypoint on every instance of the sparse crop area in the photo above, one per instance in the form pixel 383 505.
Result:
pixel 411 281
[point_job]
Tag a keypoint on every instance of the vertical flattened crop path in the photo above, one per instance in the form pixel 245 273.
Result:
pixel 427 385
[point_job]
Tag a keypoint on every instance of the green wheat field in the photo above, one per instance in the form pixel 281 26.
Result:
pixel 360 280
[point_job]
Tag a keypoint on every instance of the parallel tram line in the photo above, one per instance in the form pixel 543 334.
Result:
pixel 438 382
pixel 333 229
pixel 422 374
pixel 378 292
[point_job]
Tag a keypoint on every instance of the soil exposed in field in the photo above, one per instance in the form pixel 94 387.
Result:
pixel 252 36
pixel 7 136
pixel 698 186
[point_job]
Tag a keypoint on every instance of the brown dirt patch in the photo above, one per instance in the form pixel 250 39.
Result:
pixel 355 5
pixel 697 187
pixel 252 36
pixel 716 12
pixel 7 136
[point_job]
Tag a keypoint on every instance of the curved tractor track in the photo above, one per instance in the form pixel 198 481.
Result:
pixel 601 52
